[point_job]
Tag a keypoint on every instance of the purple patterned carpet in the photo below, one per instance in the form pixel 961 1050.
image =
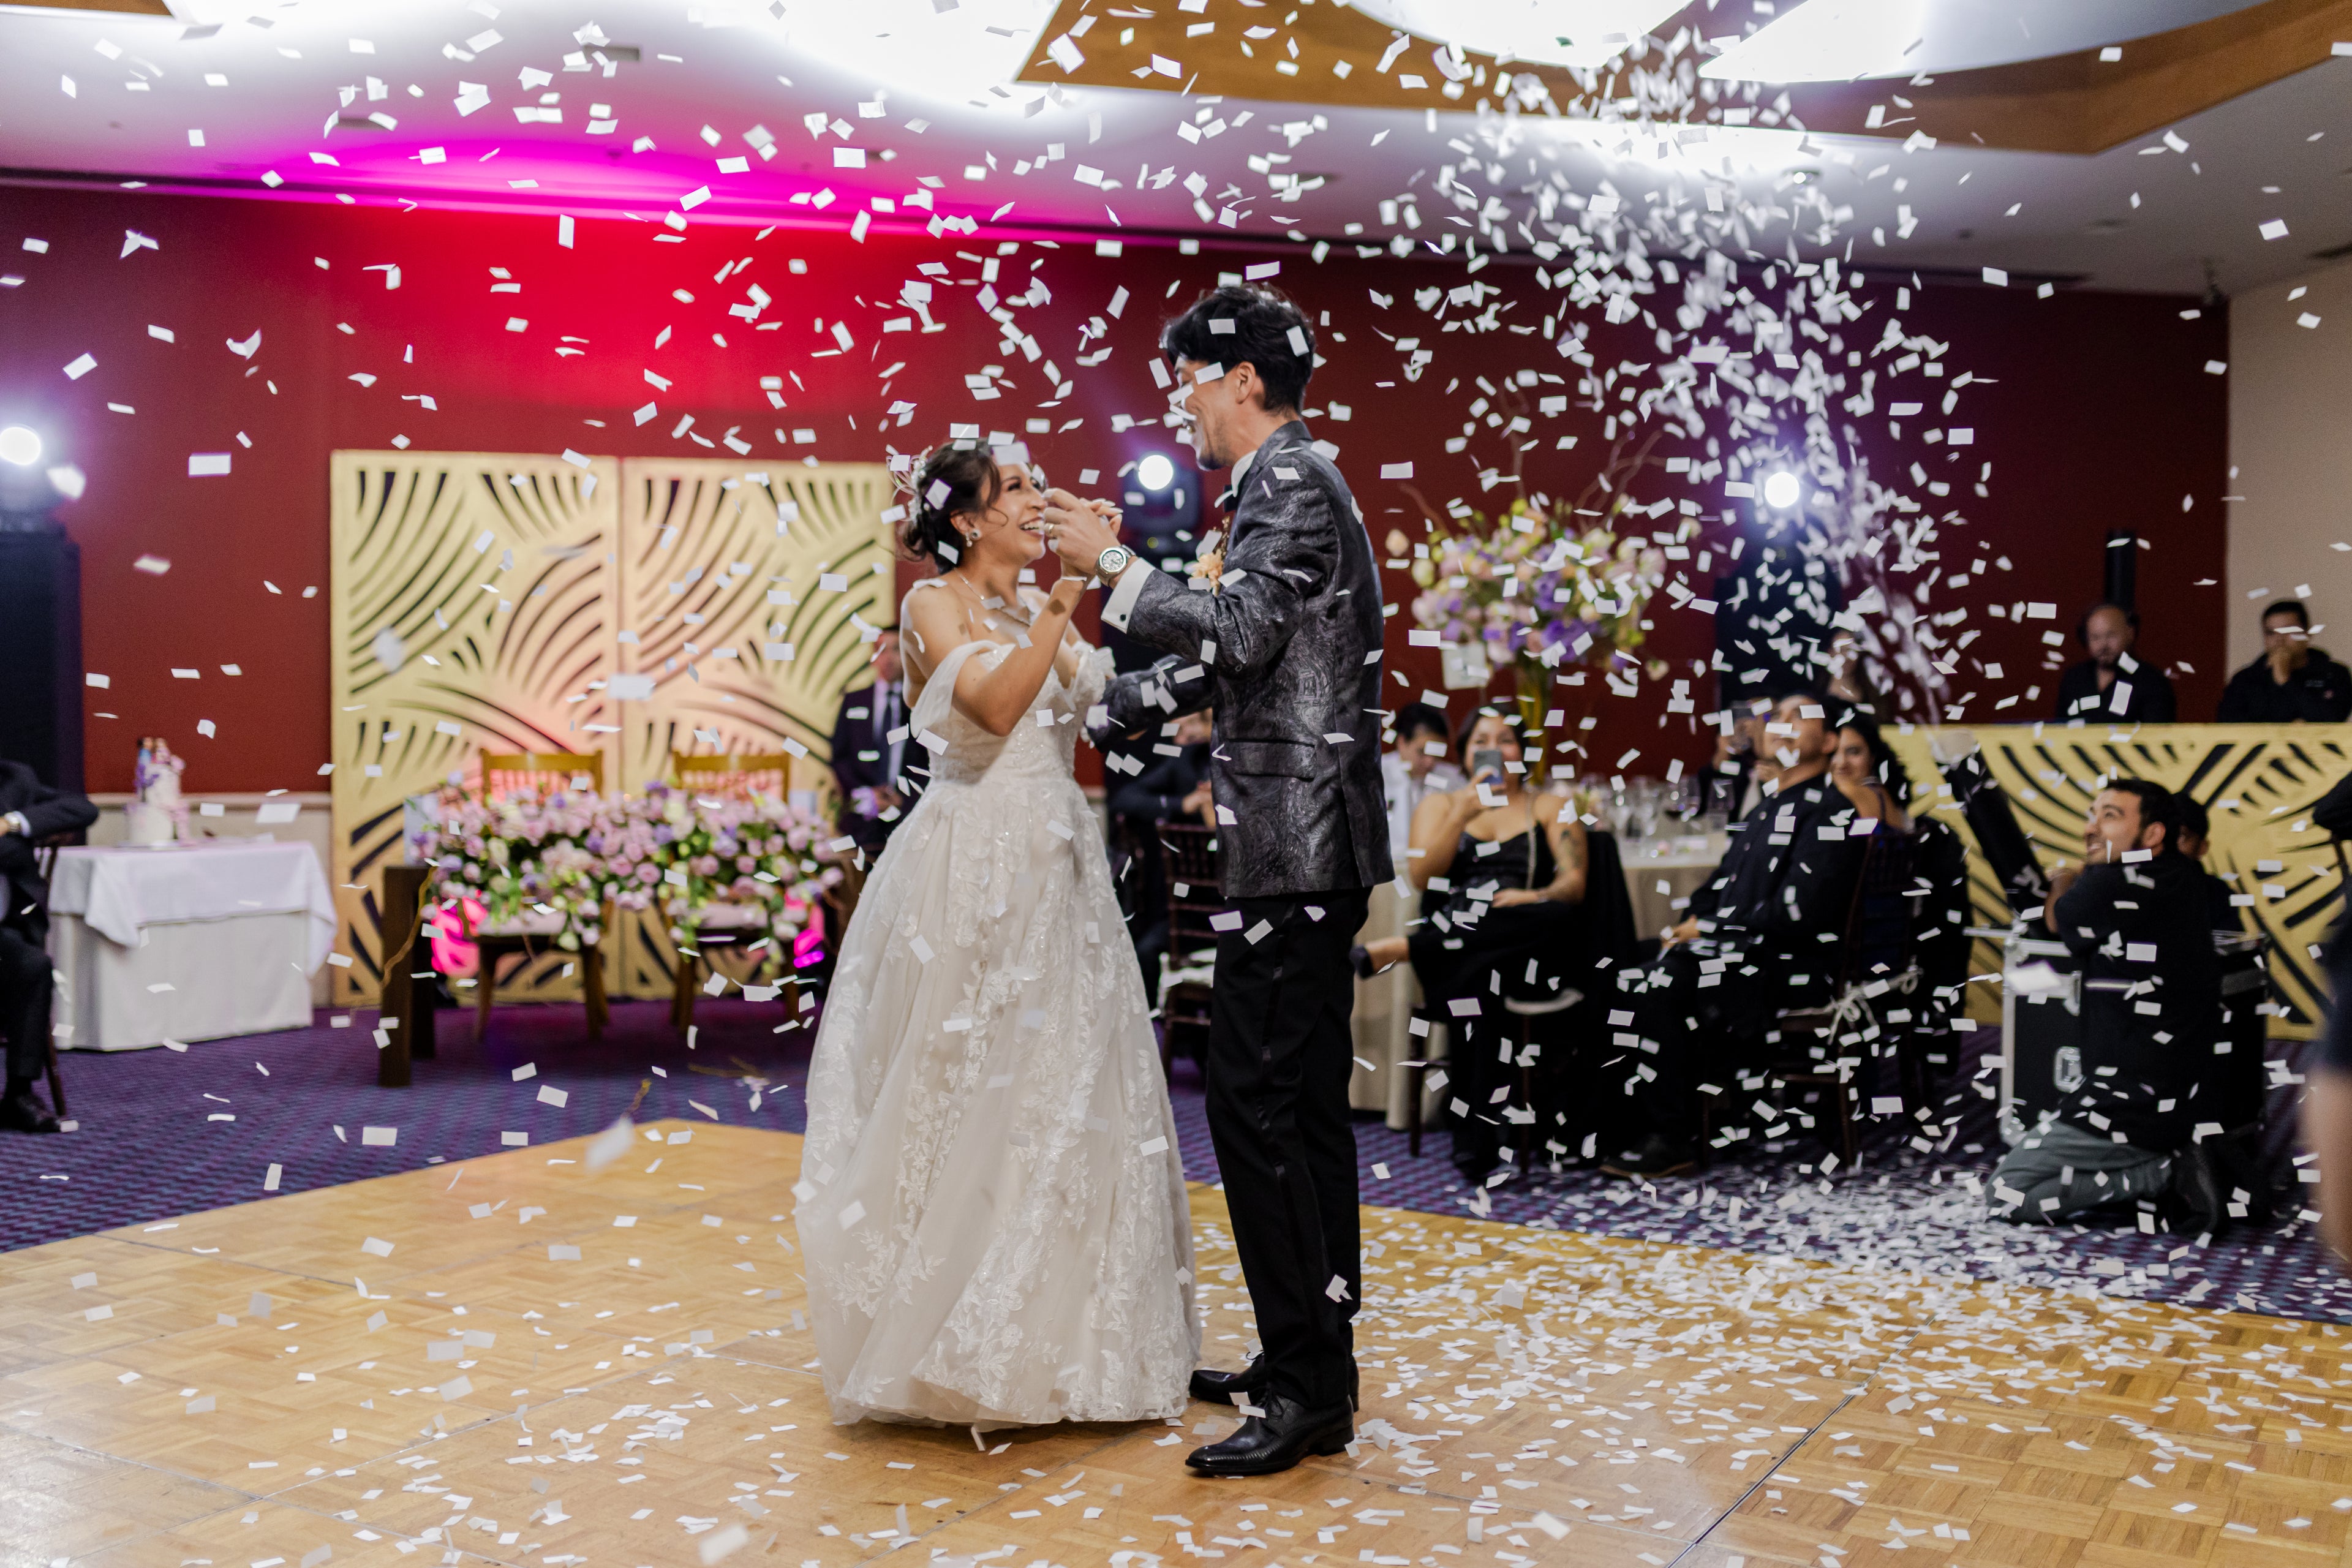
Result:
pixel 164 1133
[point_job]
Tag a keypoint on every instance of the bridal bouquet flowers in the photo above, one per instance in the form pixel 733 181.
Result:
pixel 562 858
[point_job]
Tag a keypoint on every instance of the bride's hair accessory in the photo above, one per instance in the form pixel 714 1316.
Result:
pixel 952 479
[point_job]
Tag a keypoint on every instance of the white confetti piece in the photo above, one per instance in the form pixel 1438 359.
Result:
pixel 608 1145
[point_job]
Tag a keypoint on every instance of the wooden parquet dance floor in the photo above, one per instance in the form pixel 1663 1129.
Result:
pixel 551 1367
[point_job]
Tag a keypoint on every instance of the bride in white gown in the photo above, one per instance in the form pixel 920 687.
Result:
pixel 991 1204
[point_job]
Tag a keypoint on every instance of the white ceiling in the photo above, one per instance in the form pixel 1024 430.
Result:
pixel 740 68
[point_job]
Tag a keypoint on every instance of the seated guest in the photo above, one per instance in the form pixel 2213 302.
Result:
pixel 1177 783
pixel 1415 770
pixel 1174 786
pixel 2195 838
pixel 866 756
pixel 1763 937
pixel 2293 682
pixel 1736 781
pixel 2112 683
pixel 1510 864
pixel 1868 773
pixel 2145 1041
pixel 30 811
pixel 1846 678
pixel 1872 779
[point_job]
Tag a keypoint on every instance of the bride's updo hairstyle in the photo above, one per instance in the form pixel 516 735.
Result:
pixel 949 482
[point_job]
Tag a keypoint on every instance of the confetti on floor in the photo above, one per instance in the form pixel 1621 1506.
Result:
pixel 521 1382
pixel 1898 1208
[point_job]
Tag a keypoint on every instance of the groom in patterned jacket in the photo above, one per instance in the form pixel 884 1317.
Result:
pixel 1281 635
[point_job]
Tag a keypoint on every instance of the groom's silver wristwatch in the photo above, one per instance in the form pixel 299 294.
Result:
pixel 1112 561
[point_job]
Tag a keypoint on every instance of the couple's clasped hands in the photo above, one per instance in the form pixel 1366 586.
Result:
pixel 1079 530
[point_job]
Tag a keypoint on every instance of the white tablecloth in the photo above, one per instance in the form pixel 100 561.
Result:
pixel 1383 1016
pixel 185 943
pixel 1661 873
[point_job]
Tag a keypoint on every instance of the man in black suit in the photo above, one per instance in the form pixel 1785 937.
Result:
pixel 1285 641
pixel 2293 682
pixel 30 811
pixel 869 741
pixel 2193 836
pixel 2133 916
pixel 1763 936
pixel 2113 684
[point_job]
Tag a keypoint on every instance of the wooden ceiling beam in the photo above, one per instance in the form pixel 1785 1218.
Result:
pixel 1340 52
pixel 2078 104
pixel 110 8
pixel 2071 103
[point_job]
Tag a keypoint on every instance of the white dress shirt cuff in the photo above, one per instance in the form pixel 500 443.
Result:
pixel 1124 593
pixel 22 826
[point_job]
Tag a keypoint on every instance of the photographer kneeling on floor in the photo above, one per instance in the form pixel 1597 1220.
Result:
pixel 2135 917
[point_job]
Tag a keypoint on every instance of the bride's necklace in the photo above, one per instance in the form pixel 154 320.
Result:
pixel 990 606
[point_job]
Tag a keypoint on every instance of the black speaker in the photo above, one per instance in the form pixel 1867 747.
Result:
pixel 2120 569
pixel 40 650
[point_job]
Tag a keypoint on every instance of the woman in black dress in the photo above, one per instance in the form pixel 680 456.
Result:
pixel 1509 864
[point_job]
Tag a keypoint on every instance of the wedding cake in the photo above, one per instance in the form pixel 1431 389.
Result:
pixel 157 814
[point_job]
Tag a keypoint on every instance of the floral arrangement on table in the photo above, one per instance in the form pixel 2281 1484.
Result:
pixel 569 854
pixel 1535 588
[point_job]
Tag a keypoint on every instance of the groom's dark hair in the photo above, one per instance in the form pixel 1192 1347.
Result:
pixel 1257 327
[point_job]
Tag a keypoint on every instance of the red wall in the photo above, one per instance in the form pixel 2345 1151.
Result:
pixel 2101 416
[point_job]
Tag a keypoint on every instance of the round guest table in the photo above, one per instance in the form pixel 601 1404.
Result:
pixel 1661 874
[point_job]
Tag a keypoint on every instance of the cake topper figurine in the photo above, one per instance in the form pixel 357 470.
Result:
pixel 158 815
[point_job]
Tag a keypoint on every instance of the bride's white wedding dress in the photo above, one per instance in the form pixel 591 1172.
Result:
pixel 992 1205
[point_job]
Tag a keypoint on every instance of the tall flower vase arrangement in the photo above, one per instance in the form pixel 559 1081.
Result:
pixel 1539 587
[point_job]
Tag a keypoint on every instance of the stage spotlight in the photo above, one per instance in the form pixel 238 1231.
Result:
pixel 1781 491
pixel 1155 472
pixel 20 445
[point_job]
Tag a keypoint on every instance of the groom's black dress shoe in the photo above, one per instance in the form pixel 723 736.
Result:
pixel 22 1112
pixel 1277 1440
pixel 1224 1387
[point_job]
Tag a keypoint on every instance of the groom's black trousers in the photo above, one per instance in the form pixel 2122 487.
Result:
pixel 1280 1053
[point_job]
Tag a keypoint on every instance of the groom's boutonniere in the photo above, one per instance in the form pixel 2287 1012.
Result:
pixel 1209 562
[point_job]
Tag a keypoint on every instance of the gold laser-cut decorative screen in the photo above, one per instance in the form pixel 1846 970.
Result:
pixel 480 601
pixel 744 590
pixel 2259 782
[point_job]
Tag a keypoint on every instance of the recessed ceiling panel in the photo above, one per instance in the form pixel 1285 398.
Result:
pixel 1587 33
pixel 1840 41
